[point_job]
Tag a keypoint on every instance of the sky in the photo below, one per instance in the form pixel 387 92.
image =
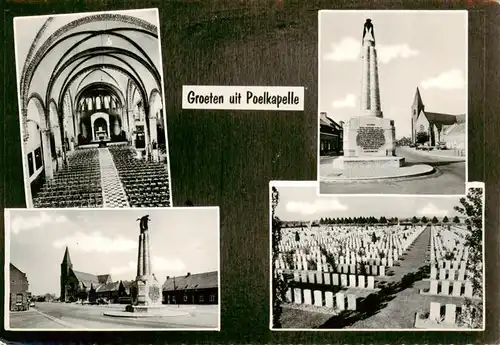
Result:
pixel 301 203
pixel 182 240
pixel 425 49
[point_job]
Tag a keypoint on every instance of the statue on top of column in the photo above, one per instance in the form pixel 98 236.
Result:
pixel 368 28
pixel 144 223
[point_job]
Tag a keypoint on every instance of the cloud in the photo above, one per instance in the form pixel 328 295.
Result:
pixel 348 49
pixel 390 52
pixel 321 205
pixel 431 210
pixel 348 102
pixel 34 222
pixel 453 79
pixel 96 242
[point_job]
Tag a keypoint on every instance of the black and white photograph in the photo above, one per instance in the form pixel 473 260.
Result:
pixel 371 262
pixel 112 269
pixel 91 100
pixel 392 102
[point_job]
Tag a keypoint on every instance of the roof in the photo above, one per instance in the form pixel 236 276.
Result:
pixel 66 259
pixel 417 100
pixel 461 118
pixel 440 118
pixel 326 121
pixel 86 278
pixel 192 281
pixel 109 287
pixel 12 267
pixel 127 283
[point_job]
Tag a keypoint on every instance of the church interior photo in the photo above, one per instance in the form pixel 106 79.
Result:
pixel 91 110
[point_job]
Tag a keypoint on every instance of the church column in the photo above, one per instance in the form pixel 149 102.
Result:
pixel 47 156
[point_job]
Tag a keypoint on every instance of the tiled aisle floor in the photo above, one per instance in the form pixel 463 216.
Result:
pixel 113 194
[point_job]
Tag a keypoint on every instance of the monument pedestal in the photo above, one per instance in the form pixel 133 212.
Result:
pixel 146 295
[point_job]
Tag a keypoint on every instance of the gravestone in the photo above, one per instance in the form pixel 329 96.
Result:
pixel 451 274
pixel 382 271
pixel 457 288
pixel 296 276
pixel 352 280
pixel 312 277
pixel 450 314
pixel 307 297
pixel 297 296
pixel 326 278
pixel 361 281
pixel 445 287
pixel 318 298
pixel 468 289
pixel 329 299
pixel 442 274
pixel 434 287
pixel 435 312
pixel 303 277
pixel 433 272
pixel 343 280
pixel 351 302
pixel 371 282
pixel 335 279
pixel 288 295
pixel 319 278
pixel 340 301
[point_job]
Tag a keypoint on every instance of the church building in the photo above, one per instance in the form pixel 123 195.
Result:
pixel 76 285
pixel 91 110
pixel 18 284
pixel 440 128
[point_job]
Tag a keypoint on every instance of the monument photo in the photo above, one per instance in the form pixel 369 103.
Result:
pixel 376 263
pixel 373 136
pixel 112 269
pixel 91 110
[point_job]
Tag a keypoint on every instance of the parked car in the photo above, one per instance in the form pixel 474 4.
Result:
pixel 441 146
pixel 32 304
pixel 102 301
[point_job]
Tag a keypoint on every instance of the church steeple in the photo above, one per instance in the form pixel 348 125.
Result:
pixel 417 101
pixel 67 259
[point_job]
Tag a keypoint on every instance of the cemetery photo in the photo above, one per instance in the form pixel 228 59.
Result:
pixel 90 98
pixel 392 102
pixel 371 262
pixel 112 270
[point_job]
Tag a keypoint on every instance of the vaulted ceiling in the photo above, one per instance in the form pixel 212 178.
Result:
pixel 74 53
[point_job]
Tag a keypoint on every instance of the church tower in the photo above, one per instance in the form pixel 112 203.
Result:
pixel 416 108
pixel 66 266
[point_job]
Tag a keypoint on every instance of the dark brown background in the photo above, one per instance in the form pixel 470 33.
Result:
pixel 228 158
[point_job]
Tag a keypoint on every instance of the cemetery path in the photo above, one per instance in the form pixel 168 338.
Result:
pixel 402 289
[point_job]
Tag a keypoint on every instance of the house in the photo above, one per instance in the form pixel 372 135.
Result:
pixel 199 288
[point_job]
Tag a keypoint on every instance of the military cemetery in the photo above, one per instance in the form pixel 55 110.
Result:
pixel 378 273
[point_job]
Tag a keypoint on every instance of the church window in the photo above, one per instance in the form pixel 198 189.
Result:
pixel 98 103
pixel 185 298
pixel 422 128
pixel 200 299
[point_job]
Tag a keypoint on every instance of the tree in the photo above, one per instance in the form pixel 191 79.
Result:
pixel 83 295
pixel 445 219
pixel 279 283
pixel 382 220
pixel 472 208
pixel 422 137
pixel 424 220
pixel 297 236
pixel 435 220
pixel 374 237
pixel 456 220
pixel 414 220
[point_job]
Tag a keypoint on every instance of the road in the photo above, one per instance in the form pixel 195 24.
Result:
pixel 68 316
pixel 449 178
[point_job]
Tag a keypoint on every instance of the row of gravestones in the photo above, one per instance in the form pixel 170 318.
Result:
pixel 338 301
pixel 339 267
pixel 448 318
pixel 450 274
pixel 335 279
pixel 443 288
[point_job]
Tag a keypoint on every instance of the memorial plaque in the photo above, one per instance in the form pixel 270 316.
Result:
pixel 370 138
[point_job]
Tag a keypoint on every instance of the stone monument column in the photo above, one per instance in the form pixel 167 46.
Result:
pixel 146 288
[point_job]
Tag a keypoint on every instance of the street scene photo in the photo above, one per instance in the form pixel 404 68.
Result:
pixel 370 262
pixel 78 269
pixel 93 129
pixel 392 102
